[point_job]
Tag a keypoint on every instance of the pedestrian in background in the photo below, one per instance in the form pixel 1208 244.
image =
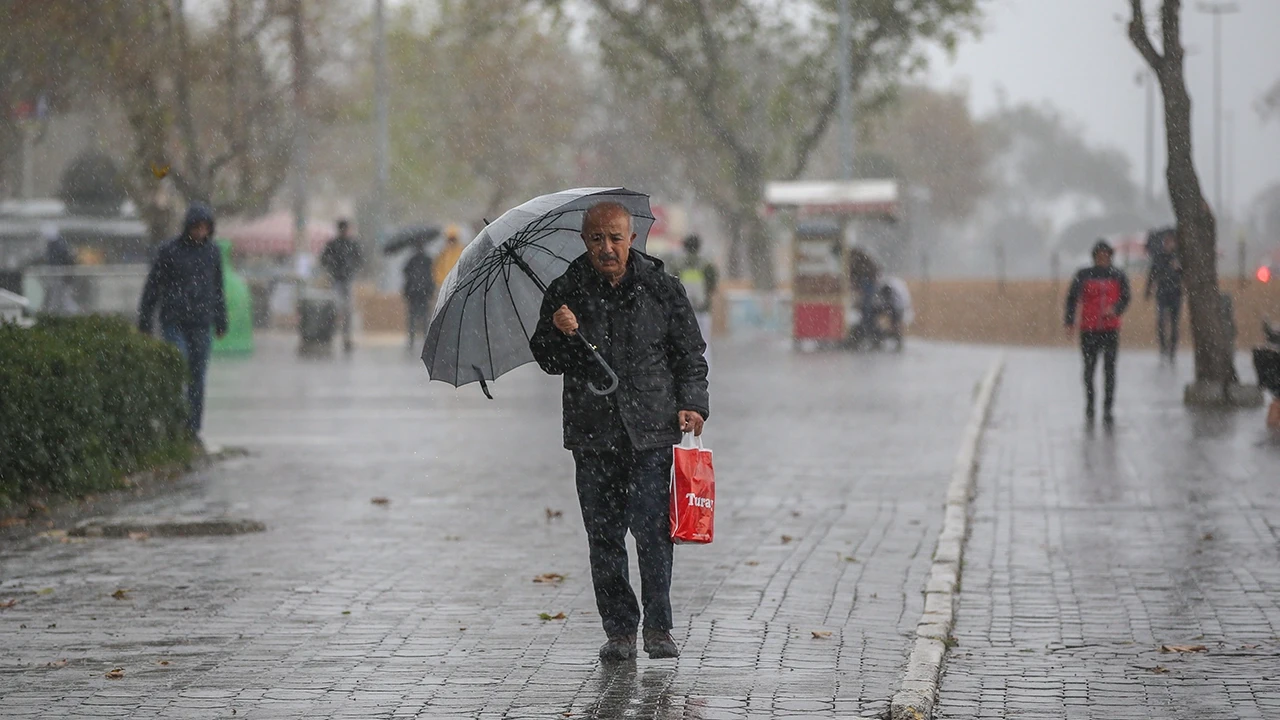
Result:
pixel 448 255
pixel 1164 276
pixel 343 260
pixel 59 289
pixel 700 279
pixel 644 327
pixel 1101 294
pixel 185 283
pixel 419 290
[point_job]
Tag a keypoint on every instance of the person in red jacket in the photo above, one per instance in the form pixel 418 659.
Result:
pixel 1101 294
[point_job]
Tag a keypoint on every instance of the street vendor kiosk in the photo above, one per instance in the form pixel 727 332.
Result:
pixel 821 217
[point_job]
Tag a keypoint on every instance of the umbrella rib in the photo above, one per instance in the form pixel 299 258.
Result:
pixel 511 296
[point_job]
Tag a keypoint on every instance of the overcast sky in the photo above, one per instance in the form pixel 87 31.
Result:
pixel 1075 54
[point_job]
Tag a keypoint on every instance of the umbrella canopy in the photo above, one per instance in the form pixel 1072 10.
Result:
pixel 488 305
pixel 412 235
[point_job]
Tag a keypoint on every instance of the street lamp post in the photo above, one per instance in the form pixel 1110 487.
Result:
pixel 846 91
pixel 1217 10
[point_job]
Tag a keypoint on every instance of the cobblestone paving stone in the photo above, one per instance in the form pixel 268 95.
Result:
pixel 425 607
pixel 1089 551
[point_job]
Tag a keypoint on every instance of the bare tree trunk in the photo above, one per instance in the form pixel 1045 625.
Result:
pixel 1197 242
pixel 301 78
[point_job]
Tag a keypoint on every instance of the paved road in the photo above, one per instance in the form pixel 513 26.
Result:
pixel 1089 551
pixel 832 473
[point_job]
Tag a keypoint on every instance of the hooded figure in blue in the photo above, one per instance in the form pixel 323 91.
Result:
pixel 185 283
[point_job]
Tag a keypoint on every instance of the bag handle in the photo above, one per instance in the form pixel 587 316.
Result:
pixel 689 441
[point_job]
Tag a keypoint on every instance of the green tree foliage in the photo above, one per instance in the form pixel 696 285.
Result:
pixel 932 141
pixel 204 93
pixel 487 103
pixel 752 85
pixel 1044 158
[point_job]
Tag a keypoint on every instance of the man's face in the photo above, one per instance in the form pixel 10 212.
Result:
pixel 1102 258
pixel 200 231
pixel 608 238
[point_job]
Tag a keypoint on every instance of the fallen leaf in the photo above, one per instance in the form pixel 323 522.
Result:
pixel 12 522
pixel 57 664
pixel 462 629
pixel 1183 648
pixel 381 501
pixel 850 558
pixel 53 534
pixel 795 513
pixel 120 594
pixel 9 603
pixel 549 578
pixel 139 536
pixel 548 616
pixel 50 626
pixel 553 514
pixel 115 674
pixel 163 662
pixel 1160 670
pixel 45 591
pixel 160 171
pixel 752 563
pixel 1207 536
pixel 821 634
pixel 786 539
pixel 346 612
pixel 1248 647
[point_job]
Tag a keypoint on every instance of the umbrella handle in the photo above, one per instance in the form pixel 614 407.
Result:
pixel 613 376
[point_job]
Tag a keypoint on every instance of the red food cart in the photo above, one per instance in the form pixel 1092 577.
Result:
pixel 820 215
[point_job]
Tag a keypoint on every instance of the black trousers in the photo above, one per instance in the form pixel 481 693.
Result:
pixel 1106 342
pixel 621 490
pixel 417 315
pixel 1167 312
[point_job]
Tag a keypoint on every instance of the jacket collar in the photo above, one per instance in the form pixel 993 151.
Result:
pixel 585 280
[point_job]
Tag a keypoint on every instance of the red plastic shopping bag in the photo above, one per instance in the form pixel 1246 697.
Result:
pixel 693 492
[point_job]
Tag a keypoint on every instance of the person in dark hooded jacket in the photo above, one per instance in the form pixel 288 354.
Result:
pixel 185 284
pixel 644 326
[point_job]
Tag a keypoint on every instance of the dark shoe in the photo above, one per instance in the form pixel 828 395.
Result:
pixel 619 648
pixel 1108 419
pixel 659 645
pixel 1088 415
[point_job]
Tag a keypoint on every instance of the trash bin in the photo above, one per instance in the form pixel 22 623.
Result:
pixel 317 319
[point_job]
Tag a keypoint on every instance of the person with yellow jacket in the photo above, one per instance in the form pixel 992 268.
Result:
pixel 447 256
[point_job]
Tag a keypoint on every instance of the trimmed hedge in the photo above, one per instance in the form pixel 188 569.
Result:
pixel 84 402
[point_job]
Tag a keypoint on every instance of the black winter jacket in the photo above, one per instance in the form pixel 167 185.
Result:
pixel 645 328
pixel 185 281
pixel 342 259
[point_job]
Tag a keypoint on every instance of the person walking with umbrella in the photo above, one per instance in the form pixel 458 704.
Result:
pixel 1101 293
pixel 419 290
pixel 642 324
pixel 447 256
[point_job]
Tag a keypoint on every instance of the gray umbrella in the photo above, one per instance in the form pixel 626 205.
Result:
pixel 488 305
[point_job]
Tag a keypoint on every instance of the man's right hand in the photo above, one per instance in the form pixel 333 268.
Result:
pixel 565 321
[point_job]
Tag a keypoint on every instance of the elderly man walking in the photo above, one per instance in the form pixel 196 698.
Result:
pixel 644 326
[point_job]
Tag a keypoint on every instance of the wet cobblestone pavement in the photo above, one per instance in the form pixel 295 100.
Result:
pixel 832 469
pixel 1092 550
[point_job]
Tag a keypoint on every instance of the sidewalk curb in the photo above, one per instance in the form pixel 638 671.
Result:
pixel 916 695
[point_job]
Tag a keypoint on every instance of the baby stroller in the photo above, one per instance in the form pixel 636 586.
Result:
pixel 1266 363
